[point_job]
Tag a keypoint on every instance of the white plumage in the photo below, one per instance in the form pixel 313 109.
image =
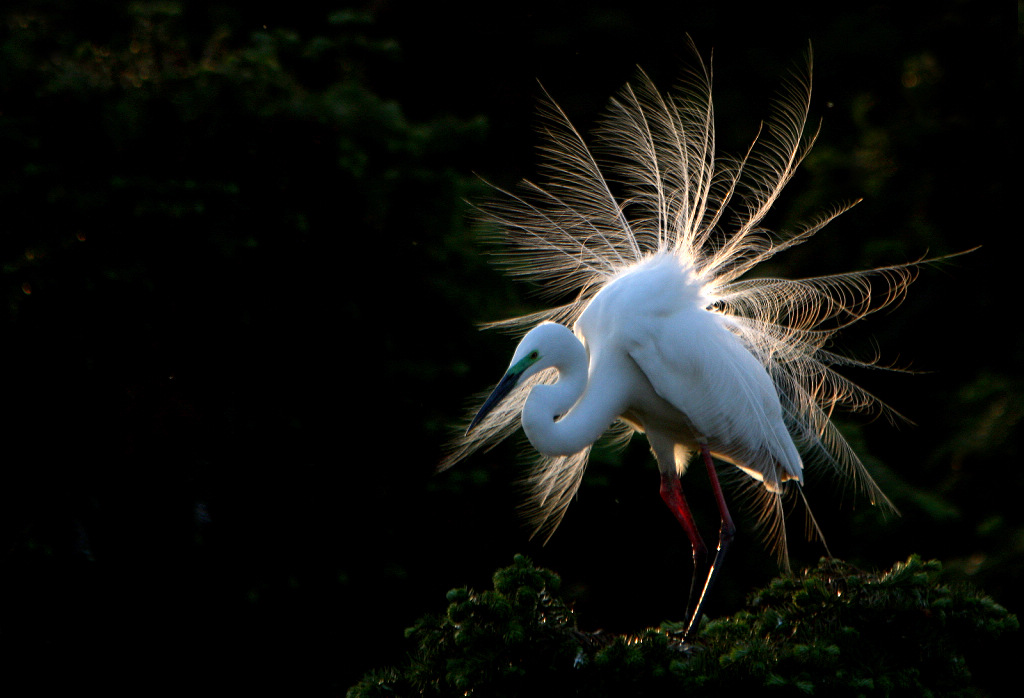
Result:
pixel 651 230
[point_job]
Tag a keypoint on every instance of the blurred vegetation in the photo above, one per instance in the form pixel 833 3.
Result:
pixel 237 273
pixel 205 240
pixel 832 630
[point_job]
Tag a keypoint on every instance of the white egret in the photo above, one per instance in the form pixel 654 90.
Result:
pixel 652 230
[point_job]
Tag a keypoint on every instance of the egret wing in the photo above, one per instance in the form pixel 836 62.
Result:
pixel 694 362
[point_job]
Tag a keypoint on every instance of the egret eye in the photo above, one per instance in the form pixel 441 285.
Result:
pixel 534 355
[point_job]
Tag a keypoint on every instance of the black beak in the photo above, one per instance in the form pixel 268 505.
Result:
pixel 505 386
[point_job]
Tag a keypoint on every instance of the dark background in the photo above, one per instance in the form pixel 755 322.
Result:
pixel 240 289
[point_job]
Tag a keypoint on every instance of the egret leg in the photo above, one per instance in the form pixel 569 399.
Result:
pixel 726 533
pixel 672 495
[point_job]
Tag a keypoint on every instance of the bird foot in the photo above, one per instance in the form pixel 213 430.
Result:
pixel 678 642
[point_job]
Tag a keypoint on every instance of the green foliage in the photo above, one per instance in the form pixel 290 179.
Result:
pixel 503 639
pixel 832 630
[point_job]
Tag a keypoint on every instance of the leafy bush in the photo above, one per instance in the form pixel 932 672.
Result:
pixel 831 630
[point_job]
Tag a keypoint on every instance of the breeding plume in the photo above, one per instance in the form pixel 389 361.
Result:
pixel 652 232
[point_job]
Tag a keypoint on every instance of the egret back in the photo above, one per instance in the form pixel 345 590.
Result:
pixel 713 390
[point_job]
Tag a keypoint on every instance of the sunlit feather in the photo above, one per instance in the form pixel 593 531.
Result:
pixel 651 183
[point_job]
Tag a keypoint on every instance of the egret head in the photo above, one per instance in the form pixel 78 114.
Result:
pixel 543 347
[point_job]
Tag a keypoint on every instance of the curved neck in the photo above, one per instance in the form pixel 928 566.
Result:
pixel 547 405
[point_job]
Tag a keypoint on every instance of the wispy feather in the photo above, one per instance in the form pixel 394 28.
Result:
pixel 651 183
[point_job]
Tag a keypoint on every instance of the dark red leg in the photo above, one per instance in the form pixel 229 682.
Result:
pixel 672 495
pixel 725 535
